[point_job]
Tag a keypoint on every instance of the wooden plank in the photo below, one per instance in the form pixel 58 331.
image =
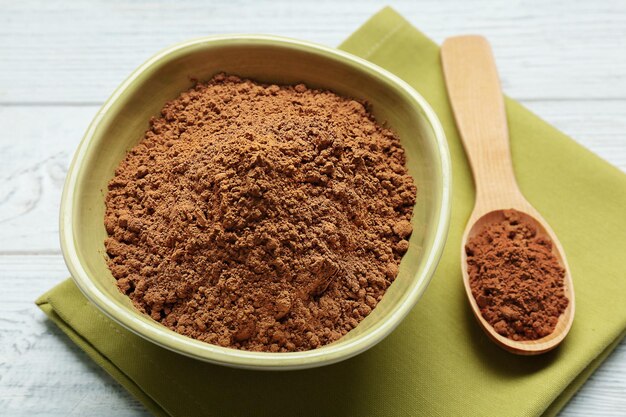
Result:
pixel 36 158
pixel 80 52
pixel 41 372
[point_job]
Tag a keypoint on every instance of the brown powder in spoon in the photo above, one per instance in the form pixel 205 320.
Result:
pixel 516 279
pixel 260 217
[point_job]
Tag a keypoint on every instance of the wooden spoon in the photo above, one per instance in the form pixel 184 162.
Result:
pixel 476 98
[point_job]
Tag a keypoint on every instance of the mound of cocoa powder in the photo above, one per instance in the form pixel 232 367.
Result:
pixel 260 217
pixel 515 278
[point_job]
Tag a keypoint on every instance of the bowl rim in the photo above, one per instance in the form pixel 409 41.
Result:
pixel 173 341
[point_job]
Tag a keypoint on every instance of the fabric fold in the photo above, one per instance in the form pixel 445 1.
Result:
pixel 438 362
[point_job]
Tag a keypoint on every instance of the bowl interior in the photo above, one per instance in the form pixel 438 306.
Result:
pixel 122 121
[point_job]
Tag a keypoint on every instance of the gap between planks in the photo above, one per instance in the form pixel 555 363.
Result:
pixel 520 99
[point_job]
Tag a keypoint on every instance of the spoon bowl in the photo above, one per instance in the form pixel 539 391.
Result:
pixel 524 347
pixel 476 98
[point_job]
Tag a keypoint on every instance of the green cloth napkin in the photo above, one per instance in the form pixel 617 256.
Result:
pixel 438 362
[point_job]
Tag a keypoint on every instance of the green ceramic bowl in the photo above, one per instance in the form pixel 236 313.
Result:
pixel 123 119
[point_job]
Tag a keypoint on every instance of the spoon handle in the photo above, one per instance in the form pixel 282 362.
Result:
pixel 476 98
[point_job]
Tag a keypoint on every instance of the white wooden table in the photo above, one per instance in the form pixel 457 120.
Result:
pixel 565 60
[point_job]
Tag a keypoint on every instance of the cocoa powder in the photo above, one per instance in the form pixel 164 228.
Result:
pixel 516 280
pixel 260 217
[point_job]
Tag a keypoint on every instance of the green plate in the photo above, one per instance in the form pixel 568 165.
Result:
pixel 123 119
